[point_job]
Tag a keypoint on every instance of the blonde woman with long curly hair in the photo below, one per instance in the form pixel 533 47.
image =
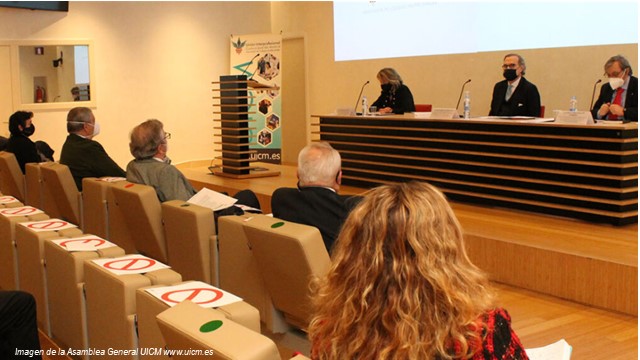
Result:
pixel 402 287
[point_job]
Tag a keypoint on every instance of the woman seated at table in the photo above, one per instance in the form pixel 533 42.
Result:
pixel 402 287
pixel 395 96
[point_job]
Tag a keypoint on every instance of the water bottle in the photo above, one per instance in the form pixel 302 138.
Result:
pixel 365 106
pixel 467 104
pixel 573 104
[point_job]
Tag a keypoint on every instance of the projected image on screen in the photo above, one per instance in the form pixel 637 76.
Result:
pixel 378 29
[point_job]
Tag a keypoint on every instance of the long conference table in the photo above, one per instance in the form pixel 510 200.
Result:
pixel 587 172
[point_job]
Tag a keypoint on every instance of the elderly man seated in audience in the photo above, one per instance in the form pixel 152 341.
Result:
pixel 152 167
pixel 316 201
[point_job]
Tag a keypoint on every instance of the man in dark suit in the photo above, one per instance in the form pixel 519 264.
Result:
pixel 84 156
pixel 618 99
pixel 316 201
pixel 515 96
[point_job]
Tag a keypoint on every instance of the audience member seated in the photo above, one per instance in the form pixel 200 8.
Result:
pixel 316 201
pixel 3 143
pixel 84 156
pixel 21 128
pixel 18 326
pixel 402 287
pixel 152 166
pixel 45 151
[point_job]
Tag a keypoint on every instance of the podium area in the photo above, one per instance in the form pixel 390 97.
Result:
pixel 590 263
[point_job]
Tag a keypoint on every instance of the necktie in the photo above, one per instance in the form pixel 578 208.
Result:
pixel 617 101
pixel 509 91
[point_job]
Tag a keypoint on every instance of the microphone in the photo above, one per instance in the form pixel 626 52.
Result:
pixel 244 71
pixel 462 90
pixel 355 108
pixel 594 93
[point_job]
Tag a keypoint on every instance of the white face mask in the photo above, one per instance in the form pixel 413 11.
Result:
pixel 616 82
pixel 96 129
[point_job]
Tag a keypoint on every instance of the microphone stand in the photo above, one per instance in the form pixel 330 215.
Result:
pixel 462 90
pixel 355 108
pixel 244 71
pixel 593 94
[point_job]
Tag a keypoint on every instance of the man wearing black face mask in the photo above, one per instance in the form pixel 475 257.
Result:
pixel 21 127
pixel 515 96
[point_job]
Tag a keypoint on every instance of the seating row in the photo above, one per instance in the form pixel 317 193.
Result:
pixel 83 305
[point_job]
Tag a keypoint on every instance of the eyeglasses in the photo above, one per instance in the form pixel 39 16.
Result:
pixel 614 74
pixel 509 66
pixel 167 135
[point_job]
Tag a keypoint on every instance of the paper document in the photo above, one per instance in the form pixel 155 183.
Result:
pixel 212 199
pixel 559 350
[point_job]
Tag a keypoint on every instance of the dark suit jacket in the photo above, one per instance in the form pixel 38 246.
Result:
pixel 87 158
pixel 24 149
pixel 630 102
pixel 525 100
pixel 314 206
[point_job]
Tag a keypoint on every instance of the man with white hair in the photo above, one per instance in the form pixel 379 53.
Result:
pixel 316 201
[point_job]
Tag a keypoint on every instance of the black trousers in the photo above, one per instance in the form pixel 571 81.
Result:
pixel 18 324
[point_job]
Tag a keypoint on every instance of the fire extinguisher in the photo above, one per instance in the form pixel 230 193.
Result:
pixel 39 94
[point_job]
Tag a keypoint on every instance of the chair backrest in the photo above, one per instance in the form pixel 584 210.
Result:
pixel 33 185
pixel 95 217
pixel 11 177
pixel 61 197
pixel 190 236
pixel 189 326
pixel 289 256
pixel 541 111
pixel 423 107
pixel 139 208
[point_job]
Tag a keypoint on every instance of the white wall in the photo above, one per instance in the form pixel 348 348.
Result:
pixel 153 60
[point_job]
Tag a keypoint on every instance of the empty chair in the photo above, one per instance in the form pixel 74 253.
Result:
pixel 289 256
pixel 61 198
pixel 33 185
pixel 67 304
pixel 238 270
pixel 9 217
pixel 111 299
pixel 189 326
pixel 149 306
pixel 30 238
pixel 423 107
pixel 191 240
pixel 11 177
pixel 95 216
pixel 136 220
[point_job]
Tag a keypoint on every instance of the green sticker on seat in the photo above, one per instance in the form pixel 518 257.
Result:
pixel 211 326
pixel 277 225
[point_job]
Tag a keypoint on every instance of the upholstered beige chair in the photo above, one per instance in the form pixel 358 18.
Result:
pixel 239 271
pixel 60 196
pixel 189 326
pixel 111 304
pixel 11 177
pixel 289 256
pixel 32 268
pixel 67 302
pixel 149 306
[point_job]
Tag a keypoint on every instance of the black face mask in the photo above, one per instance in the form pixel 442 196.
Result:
pixel 510 74
pixel 385 87
pixel 29 131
